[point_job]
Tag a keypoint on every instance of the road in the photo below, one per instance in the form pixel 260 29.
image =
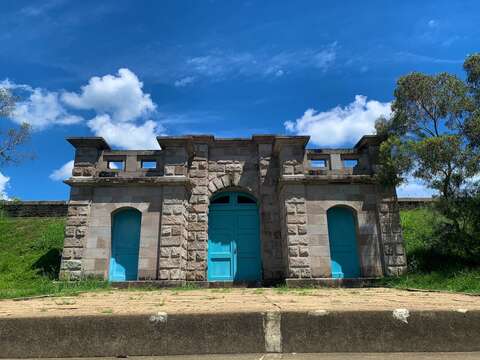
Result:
pixel 335 356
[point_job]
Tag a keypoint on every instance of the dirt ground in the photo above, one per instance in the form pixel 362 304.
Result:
pixel 237 300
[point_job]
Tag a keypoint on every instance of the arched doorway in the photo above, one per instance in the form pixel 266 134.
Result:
pixel 126 225
pixel 233 238
pixel 342 236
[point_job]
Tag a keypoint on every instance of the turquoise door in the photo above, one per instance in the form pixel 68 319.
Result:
pixel 342 236
pixel 233 238
pixel 125 245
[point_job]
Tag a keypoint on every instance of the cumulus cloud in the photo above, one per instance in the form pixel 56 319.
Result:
pixel 41 108
pixel 121 96
pixel 3 186
pixel 341 125
pixel 63 172
pixel 126 135
pixel 119 104
pixel 184 81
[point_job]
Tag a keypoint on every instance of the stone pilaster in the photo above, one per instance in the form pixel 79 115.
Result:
pixel 172 256
pixel 295 232
pixel 394 259
pixel 74 242
pixel 271 237
pixel 197 214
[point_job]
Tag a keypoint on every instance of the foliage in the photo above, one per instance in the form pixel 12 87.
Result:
pixel 434 135
pixel 12 138
pixel 30 251
pixel 431 265
pixel 426 135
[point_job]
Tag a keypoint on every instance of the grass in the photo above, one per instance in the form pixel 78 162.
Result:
pixel 30 253
pixel 429 269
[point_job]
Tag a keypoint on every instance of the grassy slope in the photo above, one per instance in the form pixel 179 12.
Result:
pixel 30 251
pixel 428 270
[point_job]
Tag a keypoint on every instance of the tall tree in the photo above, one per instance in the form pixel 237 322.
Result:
pixel 430 134
pixel 12 138
pixel 434 135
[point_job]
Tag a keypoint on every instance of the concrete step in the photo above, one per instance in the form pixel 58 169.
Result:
pixel 236 333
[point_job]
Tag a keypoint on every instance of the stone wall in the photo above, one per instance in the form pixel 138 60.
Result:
pixel 293 199
pixel 414 203
pixel 394 257
pixel 362 200
pixel 34 208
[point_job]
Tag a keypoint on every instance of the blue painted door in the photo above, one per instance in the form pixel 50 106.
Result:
pixel 125 245
pixel 342 236
pixel 233 238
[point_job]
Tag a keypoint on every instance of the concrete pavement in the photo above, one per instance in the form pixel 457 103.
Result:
pixel 318 356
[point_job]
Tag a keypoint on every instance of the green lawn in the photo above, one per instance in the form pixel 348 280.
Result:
pixel 427 268
pixel 30 251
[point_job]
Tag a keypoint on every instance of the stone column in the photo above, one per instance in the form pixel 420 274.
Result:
pixel 74 242
pixel 291 153
pixel 394 259
pixel 87 153
pixel 271 237
pixel 197 214
pixel 172 257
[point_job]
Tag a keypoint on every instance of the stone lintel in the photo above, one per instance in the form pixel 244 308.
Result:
pixel 133 181
pixel 282 141
pixel 326 179
pixel 367 140
pixel 95 142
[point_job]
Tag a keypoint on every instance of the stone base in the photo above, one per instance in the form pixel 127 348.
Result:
pixel 332 283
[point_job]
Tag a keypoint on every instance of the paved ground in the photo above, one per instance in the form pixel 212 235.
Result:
pixel 337 356
pixel 238 300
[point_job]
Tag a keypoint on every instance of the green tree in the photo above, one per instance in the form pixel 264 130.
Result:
pixel 12 138
pixel 434 135
pixel 431 133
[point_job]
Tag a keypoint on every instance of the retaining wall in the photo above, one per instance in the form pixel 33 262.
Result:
pixel 271 332
pixel 34 208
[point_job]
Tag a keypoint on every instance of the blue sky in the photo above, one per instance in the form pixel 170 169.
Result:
pixel 128 70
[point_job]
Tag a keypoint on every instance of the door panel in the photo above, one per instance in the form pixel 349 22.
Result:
pixel 220 245
pixel 343 243
pixel 233 241
pixel 125 245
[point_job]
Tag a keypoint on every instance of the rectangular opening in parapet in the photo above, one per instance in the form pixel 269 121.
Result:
pixel 148 164
pixel 322 163
pixel 116 165
pixel 350 163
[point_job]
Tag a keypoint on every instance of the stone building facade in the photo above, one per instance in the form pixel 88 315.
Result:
pixel 293 187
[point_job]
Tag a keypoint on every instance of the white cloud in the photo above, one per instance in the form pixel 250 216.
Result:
pixel 3 185
pixel 41 108
pixel 126 135
pixel 414 188
pixel 341 125
pixel 219 64
pixel 184 81
pixel 63 172
pixel 120 96
pixel 432 23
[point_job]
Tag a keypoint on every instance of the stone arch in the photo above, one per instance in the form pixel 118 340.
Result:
pixel 229 181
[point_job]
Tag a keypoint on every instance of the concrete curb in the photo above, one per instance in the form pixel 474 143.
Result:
pixel 317 331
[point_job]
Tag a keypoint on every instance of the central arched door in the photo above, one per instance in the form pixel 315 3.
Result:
pixel 126 225
pixel 233 238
